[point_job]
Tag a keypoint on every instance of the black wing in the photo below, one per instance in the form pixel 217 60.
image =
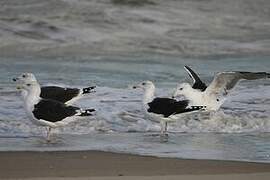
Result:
pixel 53 111
pixel 198 84
pixel 58 93
pixel 167 106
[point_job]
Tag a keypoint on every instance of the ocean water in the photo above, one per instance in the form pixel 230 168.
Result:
pixel 240 130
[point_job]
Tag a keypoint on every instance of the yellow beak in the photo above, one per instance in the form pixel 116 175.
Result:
pixel 19 87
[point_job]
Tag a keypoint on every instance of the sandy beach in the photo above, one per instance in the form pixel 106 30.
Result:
pixel 106 165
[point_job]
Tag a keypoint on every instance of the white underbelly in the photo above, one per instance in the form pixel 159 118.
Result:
pixel 212 103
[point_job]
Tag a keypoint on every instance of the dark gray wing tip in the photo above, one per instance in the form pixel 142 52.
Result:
pixel 198 107
pixel 87 112
pixel 198 84
pixel 186 66
pixel 90 110
pixel 254 75
pixel 88 89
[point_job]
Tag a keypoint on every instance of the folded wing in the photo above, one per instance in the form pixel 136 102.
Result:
pixel 59 93
pixel 53 111
pixel 168 107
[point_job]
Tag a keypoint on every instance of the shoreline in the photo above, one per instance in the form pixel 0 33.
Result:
pixel 79 164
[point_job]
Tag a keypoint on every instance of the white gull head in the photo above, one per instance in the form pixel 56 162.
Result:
pixel 149 90
pixel 31 96
pixel 30 91
pixel 145 85
pixel 25 78
pixel 22 81
pixel 183 89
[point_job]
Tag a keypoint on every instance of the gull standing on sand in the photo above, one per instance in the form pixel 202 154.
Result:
pixel 215 94
pixel 48 112
pixel 64 95
pixel 163 110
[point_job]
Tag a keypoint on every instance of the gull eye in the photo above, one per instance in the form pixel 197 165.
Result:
pixel 143 83
pixel 180 89
pixel 28 84
pixel 217 99
pixel 23 75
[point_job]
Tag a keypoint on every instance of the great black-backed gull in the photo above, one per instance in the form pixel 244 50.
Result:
pixel 47 112
pixel 64 95
pixel 215 94
pixel 161 109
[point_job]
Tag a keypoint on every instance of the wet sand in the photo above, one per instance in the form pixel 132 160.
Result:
pixel 106 165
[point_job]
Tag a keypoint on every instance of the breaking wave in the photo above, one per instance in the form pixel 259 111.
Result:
pixel 119 110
